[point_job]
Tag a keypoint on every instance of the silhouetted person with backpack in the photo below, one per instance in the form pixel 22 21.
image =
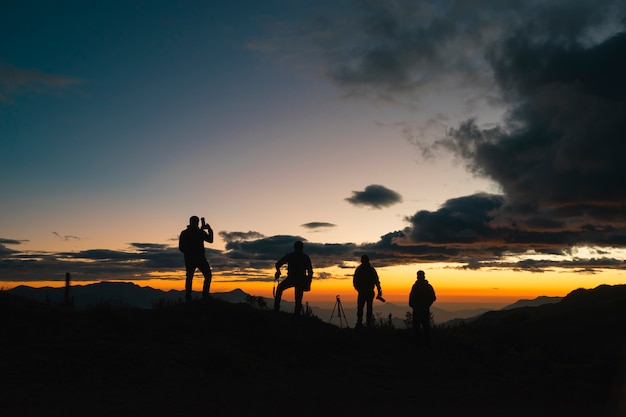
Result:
pixel 421 298
pixel 191 244
pixel 364 280
pixel 299 276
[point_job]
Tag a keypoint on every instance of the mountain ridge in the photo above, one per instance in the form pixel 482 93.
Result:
pixel 130 294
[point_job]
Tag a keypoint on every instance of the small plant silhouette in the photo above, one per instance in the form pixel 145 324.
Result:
pixel 307 311
pixel 256 302
pixel 384 323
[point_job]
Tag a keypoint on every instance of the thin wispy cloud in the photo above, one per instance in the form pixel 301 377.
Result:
pixel 66 237
pixel 15 81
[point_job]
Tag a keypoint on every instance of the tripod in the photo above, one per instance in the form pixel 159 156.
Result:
pixel 340 314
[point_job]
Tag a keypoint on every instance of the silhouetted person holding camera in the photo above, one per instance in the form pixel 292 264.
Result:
pixel 421 298
pixel 364 280
pixel 191 244
pixel 299 276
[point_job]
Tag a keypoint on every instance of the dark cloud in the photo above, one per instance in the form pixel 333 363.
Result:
pixel 556 69
pixel 394 47
pixel 138 262
pixel 325 275
pixel 149 246
pixel 239 236
pixel 375 196
pixel 558 157
pixel 465 220
pixel 4 251
pixel 467 240
pixel 14 81
pixel 318 225
pixel 100 255
pixel 4 241
pixel 247 259
pixel 391 48
pixel 266 251
pixel 470 230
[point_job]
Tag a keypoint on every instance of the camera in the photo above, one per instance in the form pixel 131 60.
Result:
pixel 380 297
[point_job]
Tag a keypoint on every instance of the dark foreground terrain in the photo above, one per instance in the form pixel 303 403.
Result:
pixel 214 358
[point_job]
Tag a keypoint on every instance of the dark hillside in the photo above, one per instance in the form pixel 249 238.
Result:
pixel 219 358
pixel 585 324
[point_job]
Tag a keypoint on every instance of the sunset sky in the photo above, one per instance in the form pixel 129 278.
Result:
pixel 480 141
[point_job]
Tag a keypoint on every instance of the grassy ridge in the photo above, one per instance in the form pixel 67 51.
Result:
pixel 218 358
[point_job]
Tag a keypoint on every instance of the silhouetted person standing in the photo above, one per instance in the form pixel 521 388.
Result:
pixel 299 276
pixel 421 298
pixel 364 280
pixel 191 244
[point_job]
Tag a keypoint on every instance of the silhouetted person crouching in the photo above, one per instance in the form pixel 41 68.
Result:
pixel 364 280
pixel 191 244
pixel 299 276
pixel 421 298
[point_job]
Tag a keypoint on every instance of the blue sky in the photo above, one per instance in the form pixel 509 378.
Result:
pixel 413 131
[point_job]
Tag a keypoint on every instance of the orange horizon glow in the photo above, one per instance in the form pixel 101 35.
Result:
pixel 321 293
pixel 451 285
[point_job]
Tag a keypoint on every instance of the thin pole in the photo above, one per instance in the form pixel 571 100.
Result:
pixel 67 289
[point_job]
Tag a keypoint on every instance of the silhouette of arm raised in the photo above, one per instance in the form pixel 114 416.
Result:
pixel 209 232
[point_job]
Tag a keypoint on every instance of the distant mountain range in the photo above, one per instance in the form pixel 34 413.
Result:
pixel 116 294
pixel 534 302
pixel 128 294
